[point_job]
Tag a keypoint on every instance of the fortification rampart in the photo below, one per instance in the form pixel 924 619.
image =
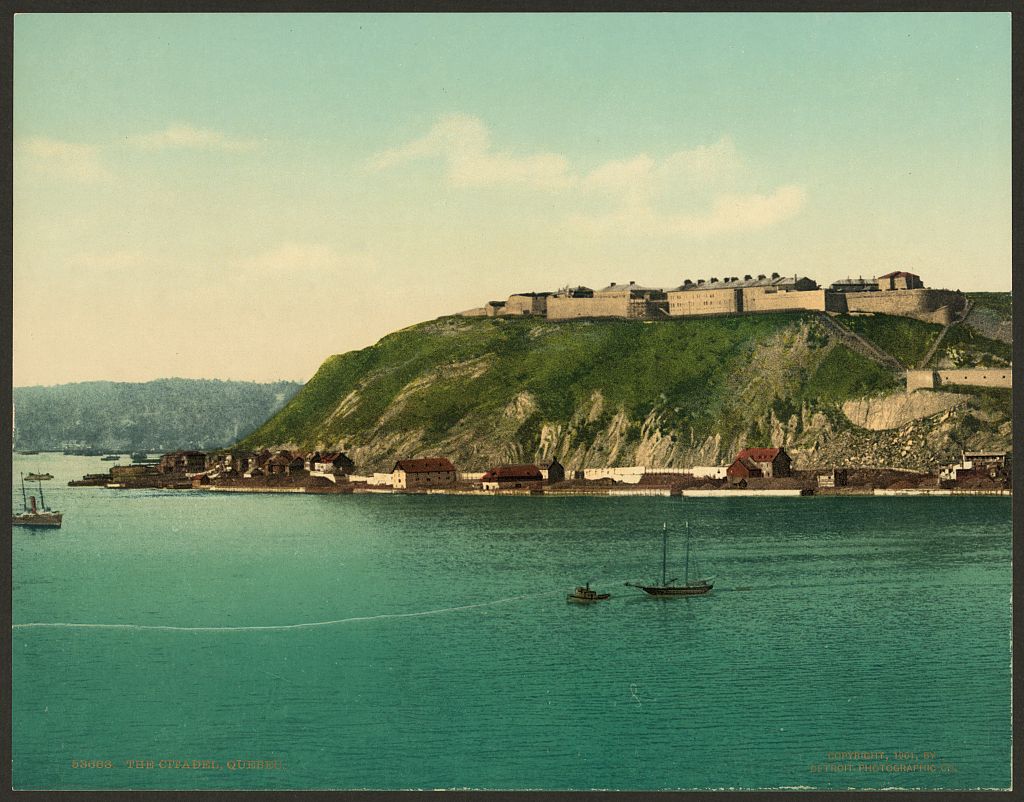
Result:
pixel 974 377
pixel 979 377
pixel 565 308
pixel 931 306
pixel 756 299
pixel 920 380
pixel 727 298
pixel 525 305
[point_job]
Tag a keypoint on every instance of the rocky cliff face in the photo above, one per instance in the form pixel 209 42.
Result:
pixel 885 412
pixel 912 441
pixel 616 393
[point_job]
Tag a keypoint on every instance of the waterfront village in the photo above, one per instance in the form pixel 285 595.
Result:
pixel 754 471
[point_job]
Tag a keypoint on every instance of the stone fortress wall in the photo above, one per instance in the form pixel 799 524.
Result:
pixel 901 294
pixel 931 306
pixel 567 308
pixel 534 304
pixel 975 377
pixel 756 300
pixel 628 301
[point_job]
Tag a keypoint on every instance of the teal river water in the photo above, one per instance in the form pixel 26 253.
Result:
pixel 453 660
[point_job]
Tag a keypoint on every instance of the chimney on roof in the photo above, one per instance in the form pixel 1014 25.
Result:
pixel 613 284
pixel 775 275
pixel 632 282
pixel 687 282
pixel 700 281
pixel 714 279
pixel 760 276
pixel 747 277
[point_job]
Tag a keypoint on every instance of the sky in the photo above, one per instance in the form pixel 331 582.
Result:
pixel 239 196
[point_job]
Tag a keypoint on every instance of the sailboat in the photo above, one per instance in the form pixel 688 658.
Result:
pixel 696 587
pixel 33 515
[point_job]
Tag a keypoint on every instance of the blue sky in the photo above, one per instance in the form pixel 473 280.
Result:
pixel 239 196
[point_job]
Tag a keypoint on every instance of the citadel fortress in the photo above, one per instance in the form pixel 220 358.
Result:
pixel 898 293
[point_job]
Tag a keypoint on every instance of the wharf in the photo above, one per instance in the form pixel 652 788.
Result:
pixel 313 491
pixel 941 492
pixel 732 492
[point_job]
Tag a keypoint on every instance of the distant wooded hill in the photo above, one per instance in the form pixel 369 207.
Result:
pixel 161 415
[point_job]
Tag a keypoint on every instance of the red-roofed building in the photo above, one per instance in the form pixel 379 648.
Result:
pixel 758 462
pixel 427 472
pixel 512 476
pixel 743 468
pixel 900 280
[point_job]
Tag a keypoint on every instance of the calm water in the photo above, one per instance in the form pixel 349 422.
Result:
pixel 869 625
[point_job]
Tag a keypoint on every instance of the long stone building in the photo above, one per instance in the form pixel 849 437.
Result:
pixel 730 296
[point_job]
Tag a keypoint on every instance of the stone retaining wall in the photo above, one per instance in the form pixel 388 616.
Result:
pixel 757 300
pixel 974 377
pixel 931 306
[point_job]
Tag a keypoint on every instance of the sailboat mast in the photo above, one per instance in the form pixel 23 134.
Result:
pixel 664 551
pixel 686 574
pixel 42 501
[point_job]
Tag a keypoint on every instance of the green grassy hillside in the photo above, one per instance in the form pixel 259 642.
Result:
pixel 1001 303
pixel 590 392
pixel 979 341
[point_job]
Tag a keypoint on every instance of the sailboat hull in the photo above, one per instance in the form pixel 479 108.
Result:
pixel 667 589
pixel 686 590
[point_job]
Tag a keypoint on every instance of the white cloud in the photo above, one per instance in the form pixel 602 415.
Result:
pixel 631 180
pixel 754 212
pixel 66 159
pixel 728 213
pixel 187 136
pixel 705 162
pixel 640 190
pixel 465 144
pixel 642 177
